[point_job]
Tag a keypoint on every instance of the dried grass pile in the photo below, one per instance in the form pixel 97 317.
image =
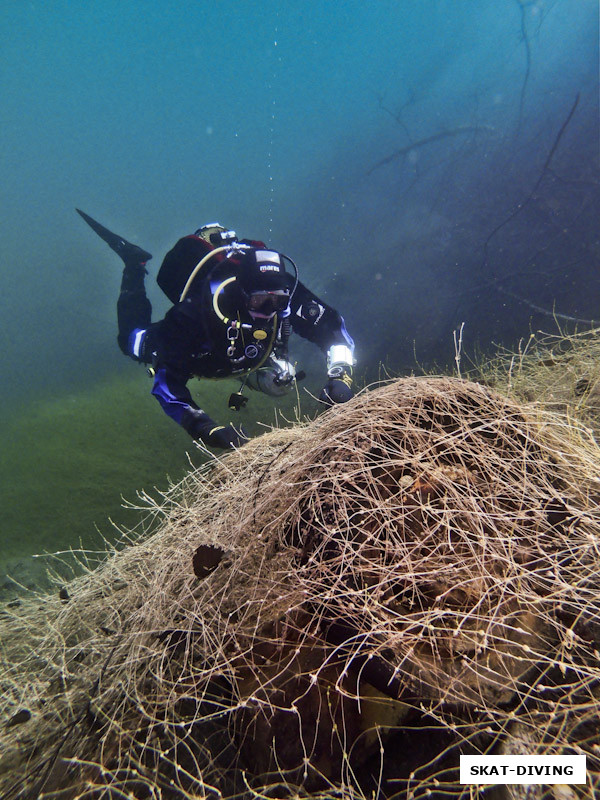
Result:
pixel 558 371
pixel 337 609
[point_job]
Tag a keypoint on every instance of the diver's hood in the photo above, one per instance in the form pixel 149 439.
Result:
pixel 264 270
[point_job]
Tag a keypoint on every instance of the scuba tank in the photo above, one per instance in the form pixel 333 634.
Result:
pixel 275 378
pixel 187 254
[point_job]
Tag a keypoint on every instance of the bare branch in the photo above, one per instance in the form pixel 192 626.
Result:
pixel 531 194
pixel 436 137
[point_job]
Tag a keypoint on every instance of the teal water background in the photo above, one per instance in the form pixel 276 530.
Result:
pixel 379 144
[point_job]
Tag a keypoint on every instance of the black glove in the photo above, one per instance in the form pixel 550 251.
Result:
pixel 200 426
pixel 226 436
pixel 337 390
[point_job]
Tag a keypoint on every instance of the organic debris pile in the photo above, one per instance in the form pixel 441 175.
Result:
pixel 337 609
pixel 559 372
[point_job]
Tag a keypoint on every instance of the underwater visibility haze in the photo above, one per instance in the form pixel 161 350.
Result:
pixel 425 164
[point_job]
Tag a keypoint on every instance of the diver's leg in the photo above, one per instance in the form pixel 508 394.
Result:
pixel 134 310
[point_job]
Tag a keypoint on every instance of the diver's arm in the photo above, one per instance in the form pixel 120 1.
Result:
pixel 315 320
pixel 318 322
pixel 176 401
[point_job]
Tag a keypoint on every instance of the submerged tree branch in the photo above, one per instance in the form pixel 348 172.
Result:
pixel 546 312
pixel 527 44
pixel 531 194
pixel 436 137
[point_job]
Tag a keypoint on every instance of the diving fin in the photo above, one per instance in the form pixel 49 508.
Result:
pixel 130 253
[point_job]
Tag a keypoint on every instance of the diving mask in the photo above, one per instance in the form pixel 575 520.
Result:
pixel 267 303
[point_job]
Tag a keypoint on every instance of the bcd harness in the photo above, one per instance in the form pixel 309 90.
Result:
pixel 277 337
pixel 235 327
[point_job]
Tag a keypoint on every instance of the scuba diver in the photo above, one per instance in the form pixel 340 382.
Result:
pixel 235 304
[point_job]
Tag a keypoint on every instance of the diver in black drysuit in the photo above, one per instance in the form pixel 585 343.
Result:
pixel 233 318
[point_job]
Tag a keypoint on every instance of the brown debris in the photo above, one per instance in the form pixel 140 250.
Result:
pixel 206 559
